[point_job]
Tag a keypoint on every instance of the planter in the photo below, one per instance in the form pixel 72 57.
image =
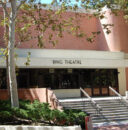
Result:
pixel 20 127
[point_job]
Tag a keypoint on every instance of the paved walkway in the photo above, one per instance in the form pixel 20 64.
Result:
pixel 121 125
pixel 118 127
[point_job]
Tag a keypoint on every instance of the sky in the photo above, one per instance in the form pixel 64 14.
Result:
pixel 49 1
pixel 46 1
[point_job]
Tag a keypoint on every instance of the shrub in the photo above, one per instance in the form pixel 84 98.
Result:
pixel 5 116
pixel 5 105
pixel 40 112
pixel 21 113
pixel 58 117
pixel 75 117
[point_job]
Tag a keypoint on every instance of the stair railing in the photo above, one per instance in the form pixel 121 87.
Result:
pixel 122 99
pixel 94 104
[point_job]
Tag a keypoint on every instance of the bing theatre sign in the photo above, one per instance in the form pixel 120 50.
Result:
pixel 67 62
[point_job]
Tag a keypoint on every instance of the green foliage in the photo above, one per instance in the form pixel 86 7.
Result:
pixel 20 113
pixel 27 63
pixel 5 116
pixel 5 105
pixel 5 111
pixel 75 117
pixel 58 117
pixel 40 112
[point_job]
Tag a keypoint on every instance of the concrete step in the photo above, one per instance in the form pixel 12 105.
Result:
pixel 109 120
pixel 112 113
pixel 77 105
pixel 112 110
pixel 82 108
pixel 112 100
pixel 105 109
pixel 90 105
pixel 109 116
pixel 111 104
pixel 98 101
pixel 108 111
pixel 84 103
pixel 74 103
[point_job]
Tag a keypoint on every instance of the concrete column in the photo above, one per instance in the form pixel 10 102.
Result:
pixel 126 78
pixel 122 81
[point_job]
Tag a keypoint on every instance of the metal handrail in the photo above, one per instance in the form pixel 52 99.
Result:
pixel 118 95
pixel 97 107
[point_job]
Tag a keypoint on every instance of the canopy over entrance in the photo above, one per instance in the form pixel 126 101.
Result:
pixel 57 58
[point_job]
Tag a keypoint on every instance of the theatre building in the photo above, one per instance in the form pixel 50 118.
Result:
pixel 75 63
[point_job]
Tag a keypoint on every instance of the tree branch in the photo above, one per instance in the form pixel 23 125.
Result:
pixel 5 8
pixel 21 3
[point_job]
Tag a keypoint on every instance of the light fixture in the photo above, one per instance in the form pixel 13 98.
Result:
pixel 51 70
pixel 69 70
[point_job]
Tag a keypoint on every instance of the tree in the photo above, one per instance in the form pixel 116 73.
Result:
pixel 10 38
pixel 10 17
pixel 124 7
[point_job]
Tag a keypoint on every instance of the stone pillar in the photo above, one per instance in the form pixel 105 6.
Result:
pixel 126 78
pixel 122 81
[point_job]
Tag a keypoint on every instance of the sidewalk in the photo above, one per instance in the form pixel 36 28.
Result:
pixel 118 127
pixel 121 125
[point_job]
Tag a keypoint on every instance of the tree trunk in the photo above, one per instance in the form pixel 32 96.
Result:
pixel 6 31
pixel 11 57
pixel 7 76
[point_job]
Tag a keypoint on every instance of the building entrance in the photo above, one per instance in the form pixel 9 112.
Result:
pixel 64 79
pixel 100 90
pixel 95 82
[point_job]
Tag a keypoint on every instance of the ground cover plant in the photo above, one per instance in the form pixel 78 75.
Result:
pixel 39 114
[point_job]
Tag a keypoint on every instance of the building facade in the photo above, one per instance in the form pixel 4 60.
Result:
pixel 75 63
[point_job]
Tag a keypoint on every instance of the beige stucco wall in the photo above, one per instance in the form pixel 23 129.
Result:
pixel 122 80
pixel 126 69
pixel 67 93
